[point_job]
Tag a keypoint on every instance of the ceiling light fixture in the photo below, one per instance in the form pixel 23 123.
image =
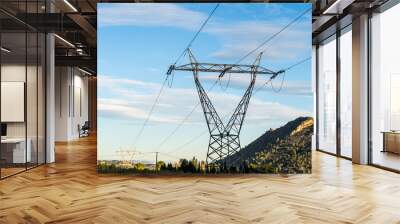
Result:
pixel 64 40
pixel 80 51
pixel 84 71
pixel 70 5
pixel 337 7
pixel 5 50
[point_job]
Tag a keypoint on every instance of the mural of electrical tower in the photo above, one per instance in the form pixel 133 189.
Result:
pixel 224 138
pixel 244 69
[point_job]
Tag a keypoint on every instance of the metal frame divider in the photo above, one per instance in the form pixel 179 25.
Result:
pixel 338 110
pixel 44 71
pixel 338 78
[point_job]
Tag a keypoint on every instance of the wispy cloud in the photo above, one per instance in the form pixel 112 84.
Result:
pixel 238 37
pixel 144 14
pixel 176 103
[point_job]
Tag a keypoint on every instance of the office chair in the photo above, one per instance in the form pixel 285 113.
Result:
pixel 84 130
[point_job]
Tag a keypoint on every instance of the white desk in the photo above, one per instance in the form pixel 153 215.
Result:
pixel 19 155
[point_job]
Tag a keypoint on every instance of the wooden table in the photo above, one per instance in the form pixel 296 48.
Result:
pixel 391 141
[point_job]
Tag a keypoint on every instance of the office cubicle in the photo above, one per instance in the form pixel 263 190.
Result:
pixel 22 77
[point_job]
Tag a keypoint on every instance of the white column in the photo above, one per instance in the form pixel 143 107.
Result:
pixel 50 99
pixel 360 90
pixel 50 92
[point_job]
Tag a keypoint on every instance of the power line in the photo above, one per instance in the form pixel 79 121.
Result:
pixel 169 155
pixel 197 33
pixel 188 142
pixel 196 137
pixel 281 86
pixel 178 127
pixel 172 77
pixel 187 116
pixel 257 90
pixel 170 71
pixel 284 73
pixel 265 42
pixel 296 64
pixel 241 59
pixel 150 112
pixel 183 120
pixel 273 36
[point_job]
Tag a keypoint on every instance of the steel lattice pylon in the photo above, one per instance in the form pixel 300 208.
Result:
pixel 224 139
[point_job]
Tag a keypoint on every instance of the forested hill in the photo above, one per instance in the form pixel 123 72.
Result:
pixel 283 150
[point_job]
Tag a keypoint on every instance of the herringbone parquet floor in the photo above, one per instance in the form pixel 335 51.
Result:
pixel 70 191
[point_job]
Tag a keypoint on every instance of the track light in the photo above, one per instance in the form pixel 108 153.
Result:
pixel 337 7
pixel 84 71
pixel 70 5
pixel 5 50
pixel 64 40
pixel 79 51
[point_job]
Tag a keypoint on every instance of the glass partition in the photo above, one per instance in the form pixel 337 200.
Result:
pixel 385 89
pixel 23 91
pixel 13 105
pixel 41 97
pixel 346 93
pixel 327 95
pixel 32 95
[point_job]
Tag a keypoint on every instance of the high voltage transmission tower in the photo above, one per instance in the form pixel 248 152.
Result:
pixel 224 139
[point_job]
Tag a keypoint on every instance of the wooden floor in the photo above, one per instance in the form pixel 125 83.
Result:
pixel 70 191
pixel 387 159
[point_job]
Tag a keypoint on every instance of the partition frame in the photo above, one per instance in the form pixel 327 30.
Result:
pixel 387 5
pixel 338 33
pixel 44 94
pixel 384 7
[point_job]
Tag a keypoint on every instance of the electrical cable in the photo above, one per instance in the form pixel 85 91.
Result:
pixel 266 41
pixel 188 142
pixel 273 36
pixel 197 136
pixel 284 73
pixel 169 155
pixel 257 90
pixel 171 72
pixel 280 87
pixel 241 59
pixel 183 120
pixel 150 112
pixel 172 77
pixel 197 33
pixel 296 64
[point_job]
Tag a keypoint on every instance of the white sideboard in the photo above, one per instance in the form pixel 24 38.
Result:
pixel 19 153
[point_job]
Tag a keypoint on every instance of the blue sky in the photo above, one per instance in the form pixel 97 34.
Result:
pixel 138 42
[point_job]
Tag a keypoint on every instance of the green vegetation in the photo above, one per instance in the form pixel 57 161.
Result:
pixel 284 150
pixel 183 166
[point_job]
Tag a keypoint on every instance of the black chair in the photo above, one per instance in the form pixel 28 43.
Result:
pixel 84 130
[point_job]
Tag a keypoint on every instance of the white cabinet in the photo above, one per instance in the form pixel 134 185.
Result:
pixel 18 145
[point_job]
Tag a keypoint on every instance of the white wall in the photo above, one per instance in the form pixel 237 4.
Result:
pixel 17 73
pixel 71 102
pixel 33 126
